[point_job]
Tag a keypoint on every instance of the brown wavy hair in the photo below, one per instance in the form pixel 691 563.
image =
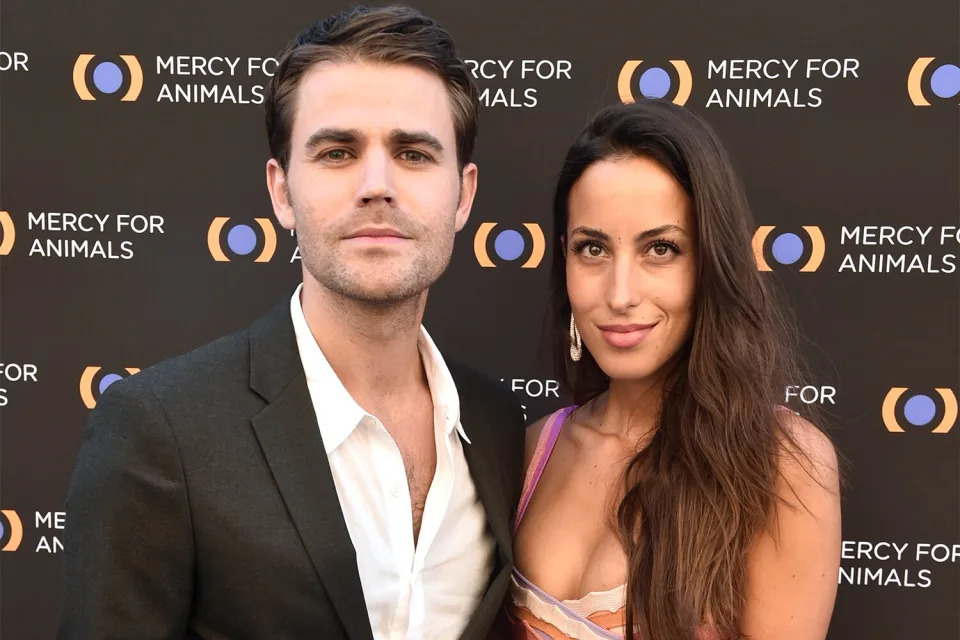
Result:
pixel 699 492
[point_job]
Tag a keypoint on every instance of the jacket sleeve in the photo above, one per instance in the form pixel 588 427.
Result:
pixel 128 551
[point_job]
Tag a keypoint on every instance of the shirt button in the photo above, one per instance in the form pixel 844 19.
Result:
pixel 395 491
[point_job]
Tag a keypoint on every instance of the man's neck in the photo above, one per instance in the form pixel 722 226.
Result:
pixel 373 349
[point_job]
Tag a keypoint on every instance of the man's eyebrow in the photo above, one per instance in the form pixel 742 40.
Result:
pixel 327 135
pixel 399 137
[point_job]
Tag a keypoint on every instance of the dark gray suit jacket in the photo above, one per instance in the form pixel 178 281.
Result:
pixel 202 504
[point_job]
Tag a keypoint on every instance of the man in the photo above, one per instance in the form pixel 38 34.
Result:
pixel 323 474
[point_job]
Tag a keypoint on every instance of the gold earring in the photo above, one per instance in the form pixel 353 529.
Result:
pixel 576 346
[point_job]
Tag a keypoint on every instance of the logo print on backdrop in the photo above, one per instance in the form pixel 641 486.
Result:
pixel 510 245
pixel 650 81
pixel 241 240
pixel 93 383
pixel 789 248
pixel 107 77
pixel 14 61
pixel 8 233
pixel 11 530
pixel 943 82
pixel 919 411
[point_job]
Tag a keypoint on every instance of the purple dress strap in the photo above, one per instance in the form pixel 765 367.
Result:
pixel 545 444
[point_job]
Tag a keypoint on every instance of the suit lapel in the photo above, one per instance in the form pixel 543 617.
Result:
pixel 484 463
pixel 290 439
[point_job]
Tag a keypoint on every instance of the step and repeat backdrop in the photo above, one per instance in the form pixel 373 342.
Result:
pixel 135 225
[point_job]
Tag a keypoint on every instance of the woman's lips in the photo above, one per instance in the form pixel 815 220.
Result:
pixel 625 336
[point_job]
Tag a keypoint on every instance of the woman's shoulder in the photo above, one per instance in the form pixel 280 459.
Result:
pixel 536 430
pixel 806 452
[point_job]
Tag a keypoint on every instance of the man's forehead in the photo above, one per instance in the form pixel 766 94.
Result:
pixel 376 99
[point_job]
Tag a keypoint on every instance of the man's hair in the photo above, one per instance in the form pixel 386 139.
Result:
pixel 392 35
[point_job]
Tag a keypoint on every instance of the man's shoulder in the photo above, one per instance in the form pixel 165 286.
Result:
pixel 222 362
pixel 478 390
pixel 219 369
pixel 468 376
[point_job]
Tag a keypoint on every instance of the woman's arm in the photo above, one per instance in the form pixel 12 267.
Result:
pixel 793 567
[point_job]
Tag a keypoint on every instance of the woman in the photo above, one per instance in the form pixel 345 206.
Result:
pixel 676 500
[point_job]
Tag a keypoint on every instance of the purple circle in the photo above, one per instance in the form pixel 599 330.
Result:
pixel 654 83
pixel 920 410
pixel 787 248
pixel 509 244
pixel 107 77
pixel 108 380
pixel 2 530
pixel 242 240
pixel 945 81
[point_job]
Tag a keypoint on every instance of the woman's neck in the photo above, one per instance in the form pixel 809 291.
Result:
pixel 628 409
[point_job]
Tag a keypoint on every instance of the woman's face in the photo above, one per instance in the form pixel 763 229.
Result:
pixel 631 265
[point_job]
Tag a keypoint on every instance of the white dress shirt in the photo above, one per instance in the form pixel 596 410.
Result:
pixel 427 590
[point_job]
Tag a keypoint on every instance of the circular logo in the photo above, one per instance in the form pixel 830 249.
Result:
pixel 242 240
pixel 920 410
pixel 509 245
pixel 107 77
pixel 11 530
pixel 945 81
pixel 108 380
pixel 650 79
pixel 797 248
pixel 227 239
pixel 787 248
pixel 654 83
pixel 495 244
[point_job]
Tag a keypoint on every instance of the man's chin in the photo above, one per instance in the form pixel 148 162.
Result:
pixel 384 294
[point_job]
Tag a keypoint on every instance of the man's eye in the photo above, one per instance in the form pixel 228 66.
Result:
pixel 415 157
pixel 336 154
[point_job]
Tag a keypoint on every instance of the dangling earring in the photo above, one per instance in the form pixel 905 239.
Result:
pixel 576 347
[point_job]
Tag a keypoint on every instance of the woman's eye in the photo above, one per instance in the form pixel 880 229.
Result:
pixel 664 249
pixel 590 250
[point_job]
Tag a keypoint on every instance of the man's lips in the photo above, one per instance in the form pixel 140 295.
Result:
pixel 376 236
pixel 377 232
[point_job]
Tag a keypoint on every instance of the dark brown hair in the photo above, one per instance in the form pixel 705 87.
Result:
pixel 704 486
pixel 393 35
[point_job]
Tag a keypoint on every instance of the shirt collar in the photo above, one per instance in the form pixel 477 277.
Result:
pixel 341 413
pixel 338 414
pixel 443 390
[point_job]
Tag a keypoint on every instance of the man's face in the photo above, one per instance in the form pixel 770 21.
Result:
pixel 372 188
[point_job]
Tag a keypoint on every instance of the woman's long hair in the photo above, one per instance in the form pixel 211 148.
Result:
pixel 700 492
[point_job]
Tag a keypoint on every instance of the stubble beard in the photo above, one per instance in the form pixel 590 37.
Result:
pixel 376 277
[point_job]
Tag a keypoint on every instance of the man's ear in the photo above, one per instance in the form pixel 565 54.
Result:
pixel 279 191
pixel 468 191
